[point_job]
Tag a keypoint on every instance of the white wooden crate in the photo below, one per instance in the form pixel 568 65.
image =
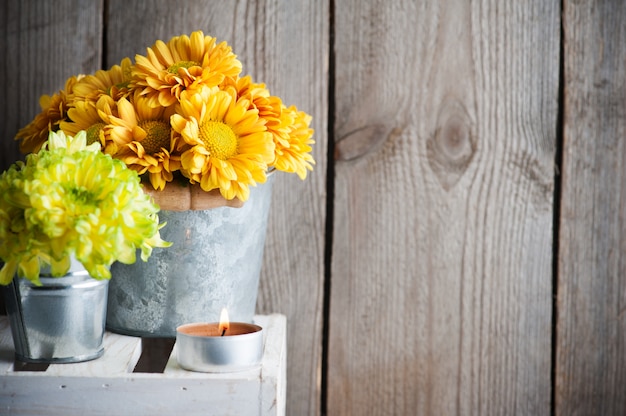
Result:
pixel 108 386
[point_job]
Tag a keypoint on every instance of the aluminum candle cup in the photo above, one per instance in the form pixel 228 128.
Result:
pixel 201 347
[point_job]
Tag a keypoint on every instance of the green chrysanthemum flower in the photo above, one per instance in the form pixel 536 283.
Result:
pixel 73 200
pixel 18 246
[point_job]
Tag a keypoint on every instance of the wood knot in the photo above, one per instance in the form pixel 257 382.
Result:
pixel 359 142
pixel 452 146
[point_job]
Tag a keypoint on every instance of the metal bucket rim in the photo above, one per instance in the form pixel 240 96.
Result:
pixel 70 280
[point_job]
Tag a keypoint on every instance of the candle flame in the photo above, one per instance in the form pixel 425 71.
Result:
pixel 224 322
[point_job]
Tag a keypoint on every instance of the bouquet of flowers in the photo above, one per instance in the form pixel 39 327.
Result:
pixel 72 200
pixel 184 114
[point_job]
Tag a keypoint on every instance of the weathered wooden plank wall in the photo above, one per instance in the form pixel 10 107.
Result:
pixel 41 45
pixel 591 337
pixel 446 116
pixel 446 127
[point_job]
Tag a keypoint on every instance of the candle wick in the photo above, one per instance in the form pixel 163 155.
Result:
pixel 223 331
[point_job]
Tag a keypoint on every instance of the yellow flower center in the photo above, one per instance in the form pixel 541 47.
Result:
pixel 219 139
pixel 182 64
pixel 157 135
pixel 93 133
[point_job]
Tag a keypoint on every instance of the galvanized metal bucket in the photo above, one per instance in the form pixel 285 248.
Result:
pixel 61 321
pixel 215 262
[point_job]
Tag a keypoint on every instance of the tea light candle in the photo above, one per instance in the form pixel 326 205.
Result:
pixel 219 347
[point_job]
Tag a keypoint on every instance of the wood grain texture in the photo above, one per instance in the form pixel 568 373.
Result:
pixel 446 117
pixel 285 45
pixel 42 44
pixel 591 338
pixel 445 120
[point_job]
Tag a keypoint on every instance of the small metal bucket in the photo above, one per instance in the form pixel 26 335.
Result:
pixel 61 321
pixel 215 262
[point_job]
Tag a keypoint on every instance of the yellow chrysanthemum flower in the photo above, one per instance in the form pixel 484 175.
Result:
pixel 294 154
pixel 93 119
pixel 144 137
pixel 53 112
pixel 184 63
pixel 71 199
pixel 229 147
pixel 113 82
pixel 288 126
